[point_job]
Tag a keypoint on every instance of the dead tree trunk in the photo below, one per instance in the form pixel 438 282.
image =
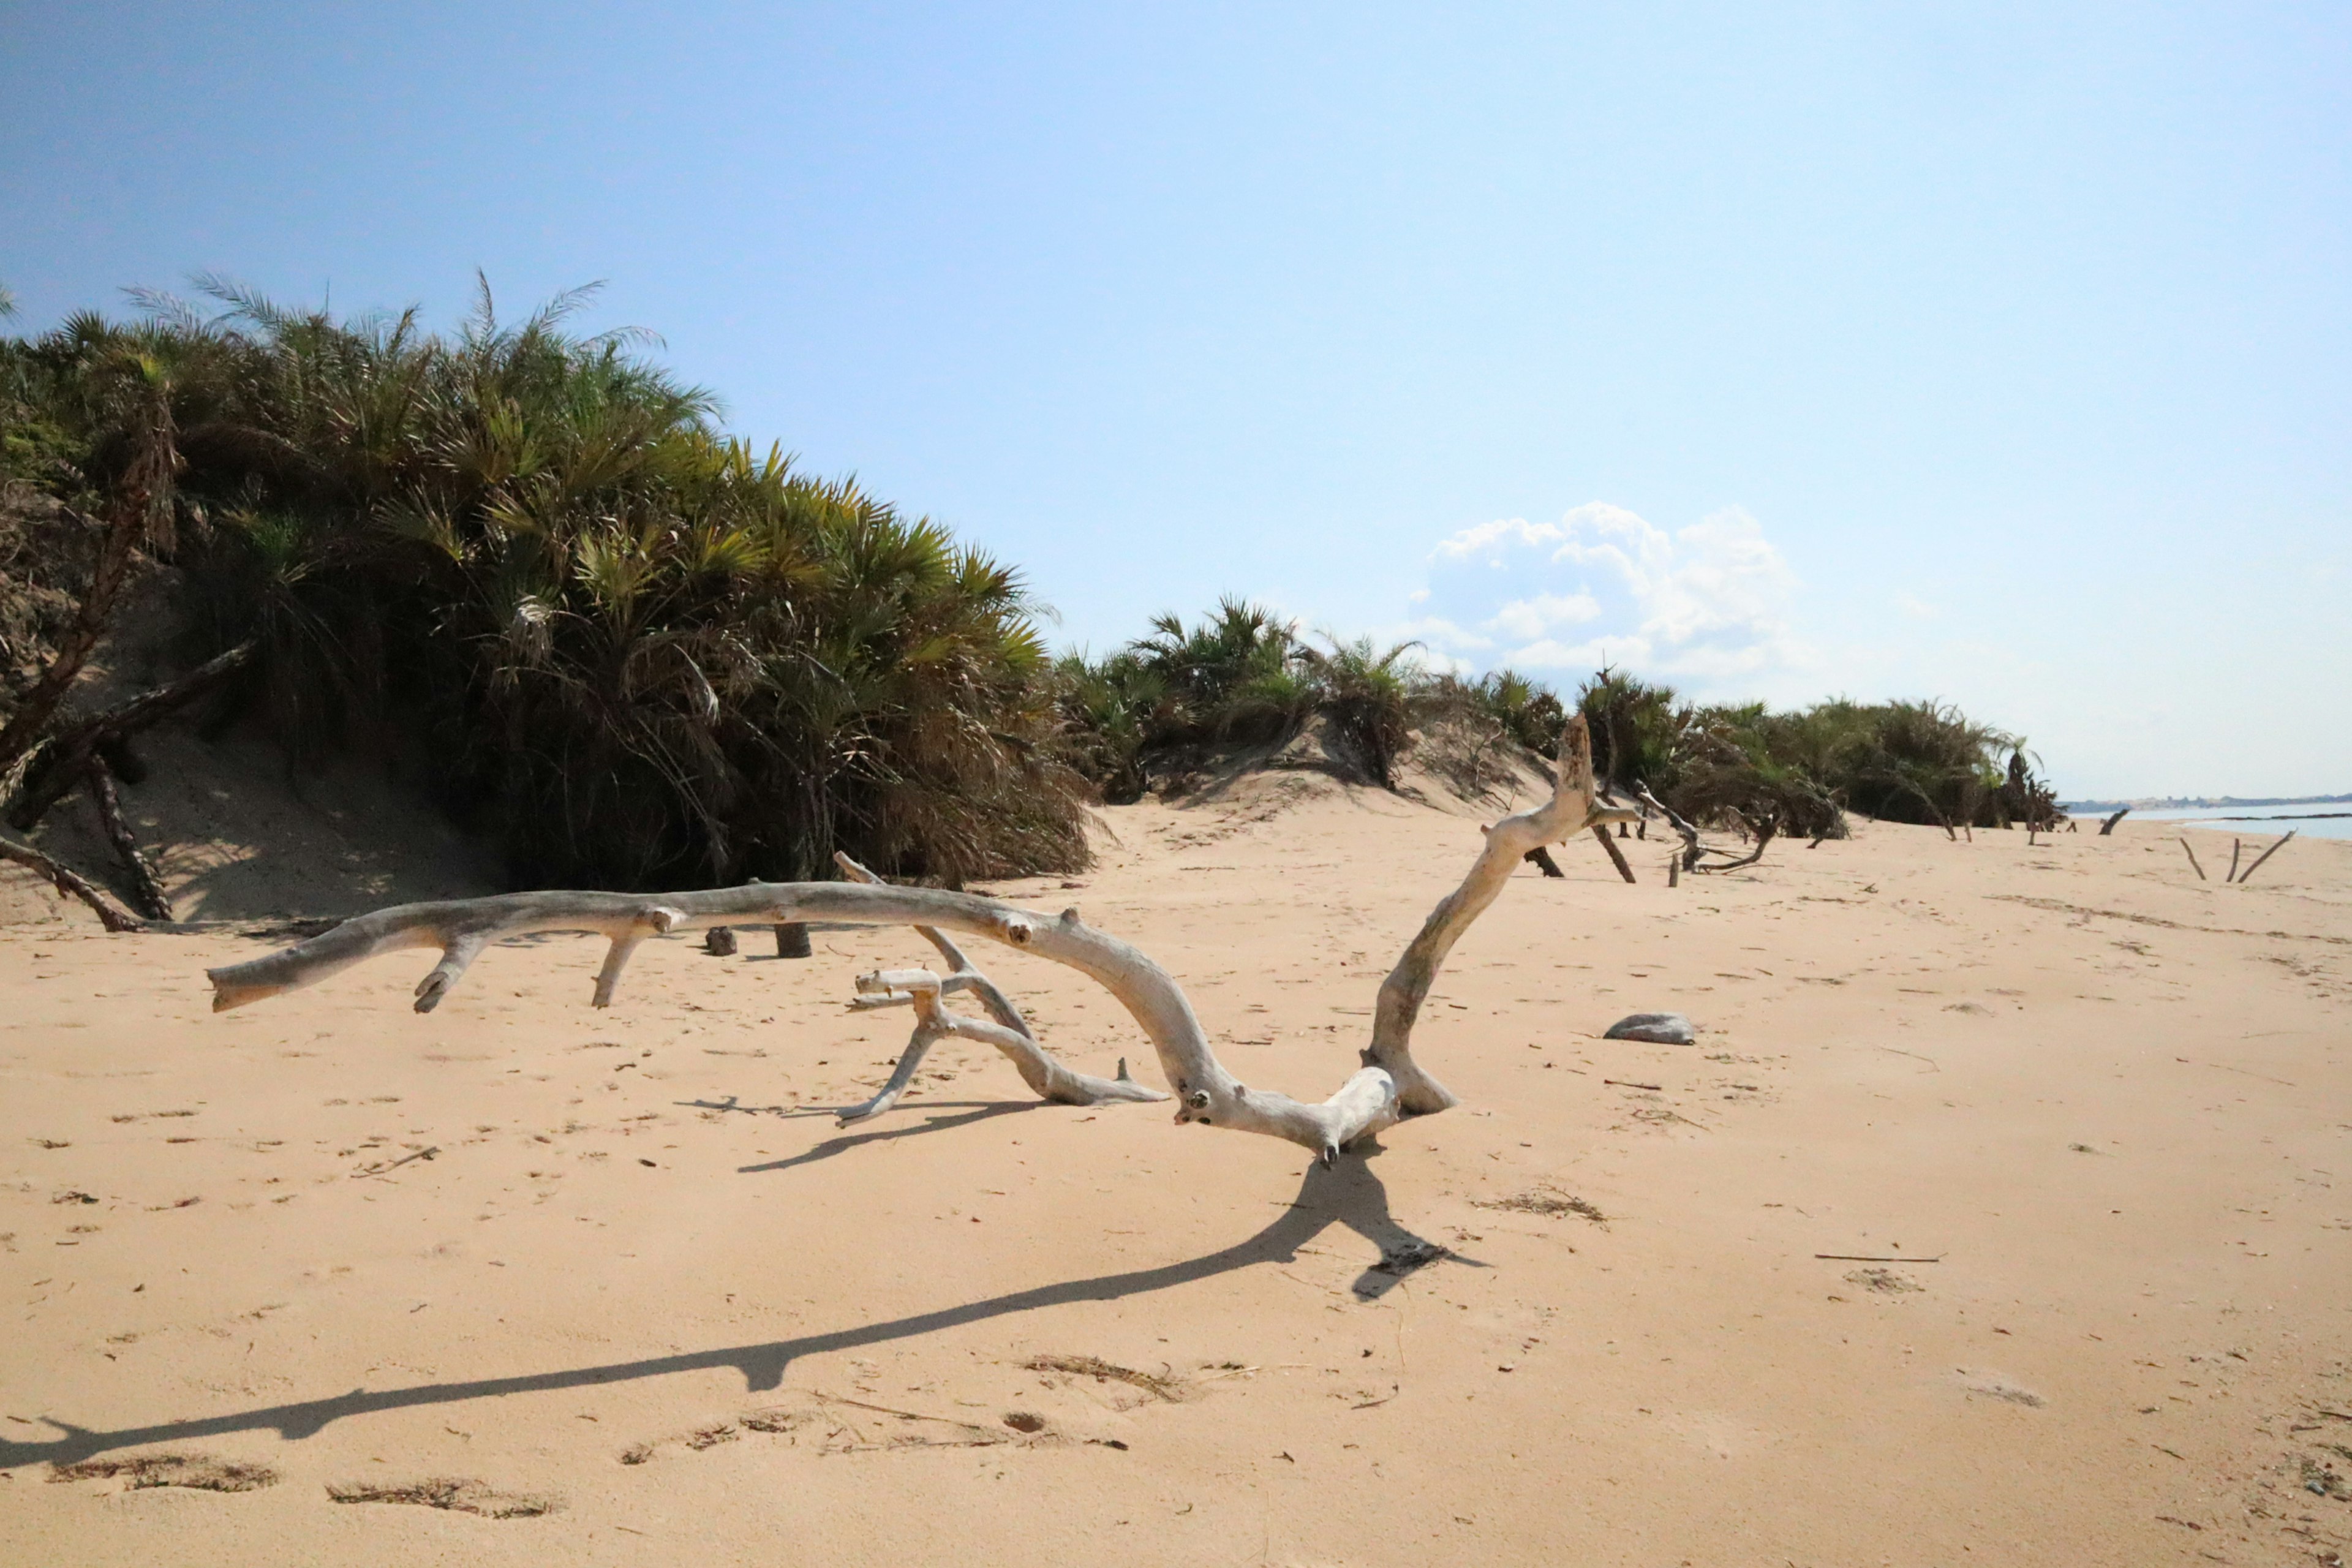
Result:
pixel 2109 825
pixel 1390 1085
pixel 1540 859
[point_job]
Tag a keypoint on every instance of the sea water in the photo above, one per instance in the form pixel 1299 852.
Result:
pixel 2328 820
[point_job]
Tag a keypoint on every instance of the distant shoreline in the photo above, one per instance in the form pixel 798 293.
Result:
pixel 2203 802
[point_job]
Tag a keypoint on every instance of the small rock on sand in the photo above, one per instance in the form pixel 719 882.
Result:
pixel 1657 1029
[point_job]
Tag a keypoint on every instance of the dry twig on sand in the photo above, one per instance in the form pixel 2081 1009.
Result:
pixel 2266 855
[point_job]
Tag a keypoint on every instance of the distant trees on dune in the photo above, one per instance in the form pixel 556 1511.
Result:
pixel 526 568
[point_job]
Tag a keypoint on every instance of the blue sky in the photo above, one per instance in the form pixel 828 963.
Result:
pixel 1998 353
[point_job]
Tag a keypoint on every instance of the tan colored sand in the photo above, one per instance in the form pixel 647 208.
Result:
pixel 2109 1103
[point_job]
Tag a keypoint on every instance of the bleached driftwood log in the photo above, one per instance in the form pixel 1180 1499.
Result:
pixel 1389 1086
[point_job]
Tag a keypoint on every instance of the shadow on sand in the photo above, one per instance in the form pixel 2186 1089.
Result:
pixel 1350 1195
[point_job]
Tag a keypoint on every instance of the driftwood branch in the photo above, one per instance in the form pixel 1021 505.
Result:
pixel 67 757
pixel 147 887
pixel 2266 855
pixel 71 883
pixel 1540 859
pixel 1693 852
pixel 2237 848
pixel 2192 861
pixel 2108 826
pixel 1390 1085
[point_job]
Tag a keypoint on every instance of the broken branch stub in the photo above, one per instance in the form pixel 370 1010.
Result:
pixel 1389 1086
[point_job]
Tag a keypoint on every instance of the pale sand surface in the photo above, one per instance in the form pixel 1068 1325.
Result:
pixel 2111 1101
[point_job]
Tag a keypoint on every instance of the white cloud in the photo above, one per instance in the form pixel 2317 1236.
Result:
pixel 1526 618
pixel 1707 603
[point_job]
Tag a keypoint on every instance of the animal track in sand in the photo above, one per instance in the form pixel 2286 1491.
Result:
pixel 1551 1205
pixel 199 1472
pixel 1992 1385
pixel 835 1424
pixel 456 1494
pixel 1168 1387
pixel 1885 1282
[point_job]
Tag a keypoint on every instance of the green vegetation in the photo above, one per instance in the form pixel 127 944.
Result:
pixel 527 570
pixel 525 567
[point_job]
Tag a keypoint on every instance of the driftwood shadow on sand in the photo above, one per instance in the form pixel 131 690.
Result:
pixel 1350 1195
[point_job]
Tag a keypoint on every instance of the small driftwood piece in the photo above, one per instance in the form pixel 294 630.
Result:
pixel 2192 861
pixel 792 939
pixel 2266 855
pixel 71 883
pixel 1540 859
pixel 719 941
pixel 1389 1086
pixel 1875 1257
pixel 2108 826
pixel 2237 848
pixel 146 886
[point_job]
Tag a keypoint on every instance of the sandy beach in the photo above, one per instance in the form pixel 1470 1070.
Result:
pixel 1999 1214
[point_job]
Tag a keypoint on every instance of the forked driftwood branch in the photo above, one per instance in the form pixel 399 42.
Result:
pixel 1389 1086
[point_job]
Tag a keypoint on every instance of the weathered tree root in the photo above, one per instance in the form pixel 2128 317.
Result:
pixel 74 884
pixel 151 898
pixel 1693 852
pixel 1390 1085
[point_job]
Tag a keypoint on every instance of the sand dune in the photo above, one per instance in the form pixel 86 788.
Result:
pixel 323 1281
